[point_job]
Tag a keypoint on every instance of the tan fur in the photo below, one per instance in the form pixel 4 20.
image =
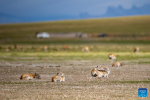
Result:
pixel 117 64
pixel 38 49
pixel 45 48
pixel 136 49
pixel 28 76
pixel 112 56
pixel 86 48
pixel 103 67
pixel 65 47
pixel 58 78
pixel 99 72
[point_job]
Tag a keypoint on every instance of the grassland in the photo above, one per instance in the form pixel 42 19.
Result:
pixel 127 28
pixel 29 56
pixel 123 83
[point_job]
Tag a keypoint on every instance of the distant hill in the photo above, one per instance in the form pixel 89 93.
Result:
pixel 120 11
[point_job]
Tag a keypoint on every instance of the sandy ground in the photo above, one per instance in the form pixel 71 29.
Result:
pixel 122 83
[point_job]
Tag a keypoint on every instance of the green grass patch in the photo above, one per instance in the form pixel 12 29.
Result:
pixel 135 29
pixel 8 56
pixel 144 62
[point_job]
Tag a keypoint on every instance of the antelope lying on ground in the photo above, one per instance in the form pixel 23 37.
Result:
pixel 28 76
pixel 99 72
pixel 59 77
pixel 117 64
pixel 136 49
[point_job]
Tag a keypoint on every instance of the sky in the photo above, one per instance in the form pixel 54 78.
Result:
pixel 33 8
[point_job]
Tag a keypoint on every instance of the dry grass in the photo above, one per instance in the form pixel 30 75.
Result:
pixel 29 57
pixel 123 83
pixel 134 29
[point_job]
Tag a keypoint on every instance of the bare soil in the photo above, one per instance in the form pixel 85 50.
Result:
pixel 123 83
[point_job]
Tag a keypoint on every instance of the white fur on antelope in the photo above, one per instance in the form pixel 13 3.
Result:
pixel 59 77
pixel 86 48
pixel 136 49
pixel 112 56
pixel 99 72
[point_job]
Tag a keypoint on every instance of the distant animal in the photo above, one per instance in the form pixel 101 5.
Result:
pixel 65 47
pixel 15 46
pixel 112 56
pixel 28 76
pixel 56 49
pixel 99 72
pixel 38 49
pixel 7 49
pixel 117 64
pixel 86 48
pixel 45 48
pixel 59 77
pixel 136 49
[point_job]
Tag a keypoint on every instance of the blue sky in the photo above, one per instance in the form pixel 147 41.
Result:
pixel 32 8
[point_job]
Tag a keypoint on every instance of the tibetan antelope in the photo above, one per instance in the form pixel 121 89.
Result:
pixel 136 49
pixel 28 76
pixel 117 64
pixel 45 48
pixel 103 68
pixel 86 48
pixel 112 56
pixel 59 77
pixel 65 47
pixel 99 72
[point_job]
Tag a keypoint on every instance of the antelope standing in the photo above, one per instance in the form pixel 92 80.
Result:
pixel 117 64
pixel 112 56
pixel 28 76
pixel 45 48
pixel 136 49
pixel 103 68
pixel 59 77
